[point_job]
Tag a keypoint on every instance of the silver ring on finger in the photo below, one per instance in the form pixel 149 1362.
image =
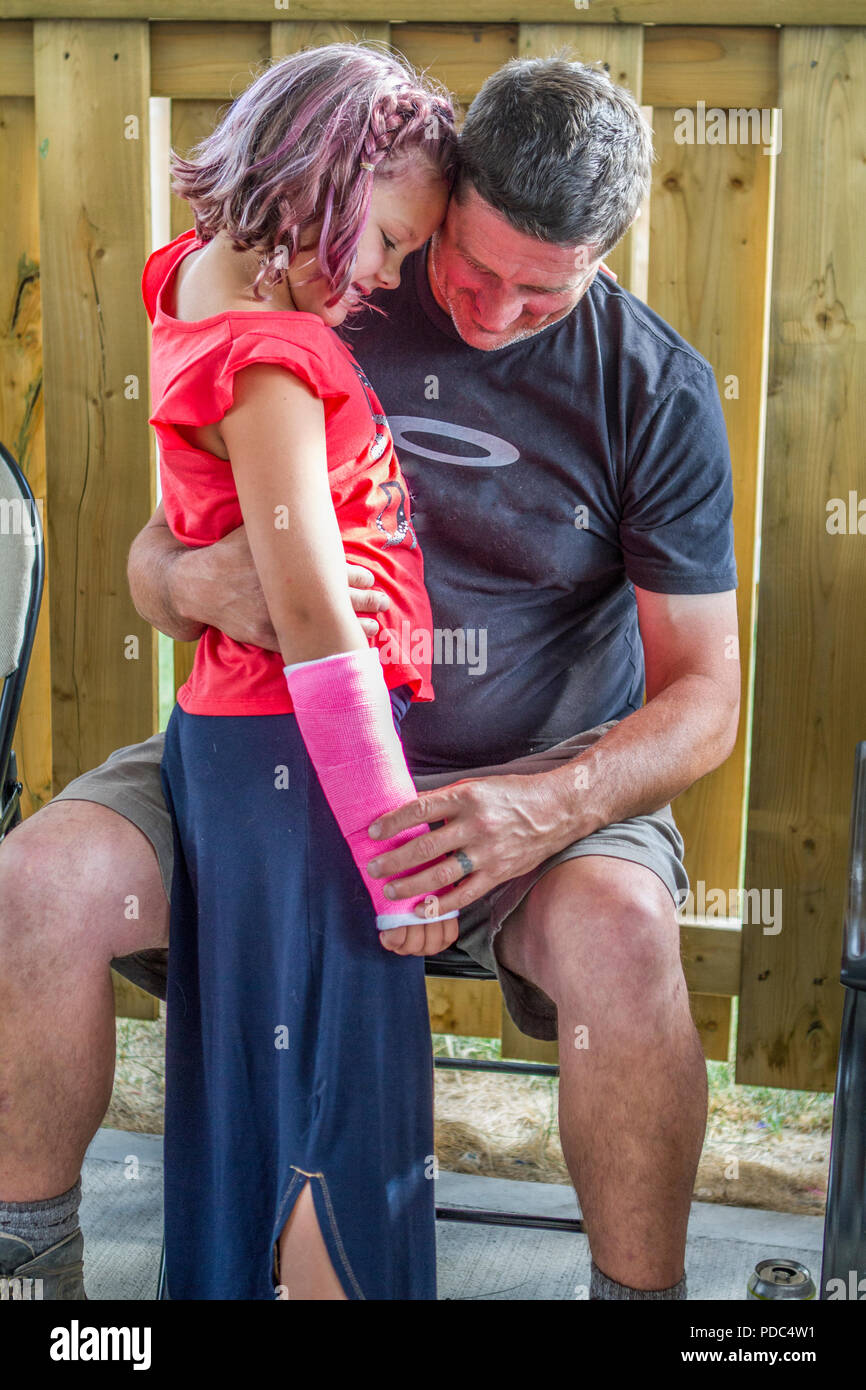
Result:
pixel 465 863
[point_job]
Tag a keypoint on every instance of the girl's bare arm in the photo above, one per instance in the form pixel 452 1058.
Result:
pixel 275 437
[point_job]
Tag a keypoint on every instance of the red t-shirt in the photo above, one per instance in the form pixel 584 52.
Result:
pixel 193 366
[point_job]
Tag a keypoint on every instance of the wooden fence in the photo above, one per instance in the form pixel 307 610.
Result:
pixel 751 255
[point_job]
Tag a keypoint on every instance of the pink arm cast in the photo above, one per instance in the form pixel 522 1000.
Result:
pixel 344 714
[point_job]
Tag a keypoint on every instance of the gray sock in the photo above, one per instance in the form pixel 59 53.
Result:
pixel 44 1223
pixel 600 1286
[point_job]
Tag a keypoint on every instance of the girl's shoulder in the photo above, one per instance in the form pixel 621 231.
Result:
pixel 299 341
pixel 198 360
pixel 233 321
pixel 196 364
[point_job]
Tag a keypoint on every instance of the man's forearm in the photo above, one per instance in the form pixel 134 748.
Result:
pixel 182 589
pixel 155 572
pixel 643 762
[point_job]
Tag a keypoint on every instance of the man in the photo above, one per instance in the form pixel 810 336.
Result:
pixel 571 485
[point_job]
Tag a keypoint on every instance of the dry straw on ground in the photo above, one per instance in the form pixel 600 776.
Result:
pixel 763 1149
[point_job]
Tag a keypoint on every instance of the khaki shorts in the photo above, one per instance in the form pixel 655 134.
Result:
pixel 129 782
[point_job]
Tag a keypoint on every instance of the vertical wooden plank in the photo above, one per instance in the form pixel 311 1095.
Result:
pixel 21 414
pixel 191 122
pixel 630 260
pixel 465 1008
pixel 810 673
pixel 712 1018
pixel 619 47
pixel 291 35
pixel 92 85
pixel 711 211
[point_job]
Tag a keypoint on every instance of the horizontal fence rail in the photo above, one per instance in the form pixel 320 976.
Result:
pixel 619 12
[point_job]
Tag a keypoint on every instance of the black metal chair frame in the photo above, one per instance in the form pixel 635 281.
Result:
pixel 454 964
pixel 13 685
pixel 844 1253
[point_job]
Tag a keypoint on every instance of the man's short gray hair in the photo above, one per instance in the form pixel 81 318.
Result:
pixel 561 151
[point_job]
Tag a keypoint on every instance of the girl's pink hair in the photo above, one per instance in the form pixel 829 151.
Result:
pixel 289 153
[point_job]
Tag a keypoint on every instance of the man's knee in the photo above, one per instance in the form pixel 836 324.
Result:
pixel 79 869
pixel 597 924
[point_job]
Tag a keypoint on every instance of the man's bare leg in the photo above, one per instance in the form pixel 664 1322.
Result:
pixel 600 937
pixel 65 877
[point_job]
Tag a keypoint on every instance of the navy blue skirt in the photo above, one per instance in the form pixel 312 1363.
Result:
pixel 298 1049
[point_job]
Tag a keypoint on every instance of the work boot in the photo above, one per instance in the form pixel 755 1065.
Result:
pixel 57 1272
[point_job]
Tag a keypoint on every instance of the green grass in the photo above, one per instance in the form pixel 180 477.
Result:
pixel 752 1108
pixel 767 1107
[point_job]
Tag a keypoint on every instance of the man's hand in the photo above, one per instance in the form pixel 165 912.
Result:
pixel 365 598
pixel 506 825
pixel 181 590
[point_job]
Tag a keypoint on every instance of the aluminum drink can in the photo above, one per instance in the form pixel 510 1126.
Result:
pixel 787 1279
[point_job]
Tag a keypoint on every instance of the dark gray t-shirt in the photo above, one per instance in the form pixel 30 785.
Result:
pixel 546 479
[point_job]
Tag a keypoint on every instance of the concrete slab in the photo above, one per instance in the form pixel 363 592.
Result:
pixel 121 1216
pixel 490 1263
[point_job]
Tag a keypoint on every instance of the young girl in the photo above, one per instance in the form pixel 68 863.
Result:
pixel 298 1135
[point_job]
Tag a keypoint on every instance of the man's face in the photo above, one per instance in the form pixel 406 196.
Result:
pixel 500 285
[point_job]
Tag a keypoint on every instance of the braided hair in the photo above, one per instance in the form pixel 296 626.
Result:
pixel 300 149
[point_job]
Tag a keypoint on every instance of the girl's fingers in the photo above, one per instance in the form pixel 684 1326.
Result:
pixel 413 941
pixel 434 938
pixel 421 939
pixel 416 936
pixel 393 940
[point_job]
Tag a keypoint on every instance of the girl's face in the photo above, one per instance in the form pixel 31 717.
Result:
pixel 404 213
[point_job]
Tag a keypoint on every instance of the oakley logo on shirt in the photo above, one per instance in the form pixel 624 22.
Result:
pixel 495 452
